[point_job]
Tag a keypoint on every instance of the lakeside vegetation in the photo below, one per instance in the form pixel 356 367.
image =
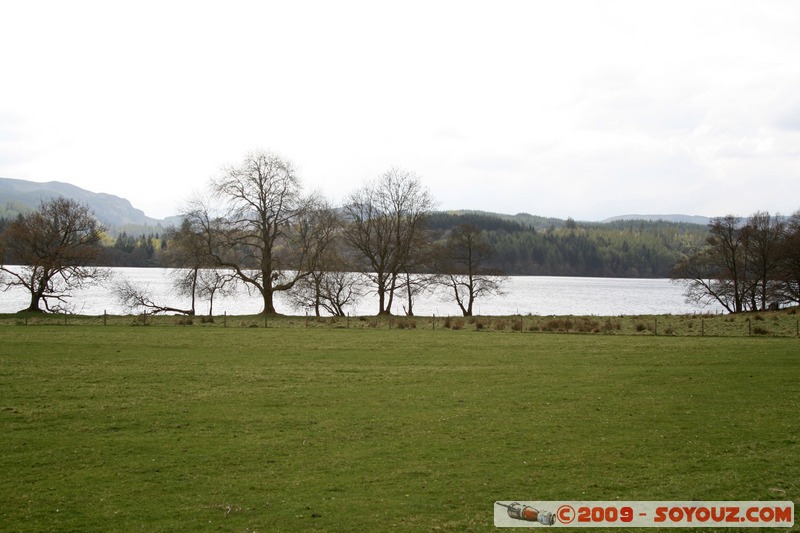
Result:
pixel 783 323
pixel 372 429
pixel 254 226
pixel 634 248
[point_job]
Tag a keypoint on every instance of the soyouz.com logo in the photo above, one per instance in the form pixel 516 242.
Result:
pixel 705 514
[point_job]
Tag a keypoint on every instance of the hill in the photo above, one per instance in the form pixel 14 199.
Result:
pixel 524 244
pixel 523 219
pixel 528 245
pixel 21 196
pixel 683 219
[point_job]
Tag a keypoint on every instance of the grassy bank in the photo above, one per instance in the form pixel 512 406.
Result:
pixel 784 323
pixel 372 429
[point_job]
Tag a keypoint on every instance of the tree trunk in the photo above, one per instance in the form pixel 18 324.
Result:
pixel 34 307
pixel 381 296
pixel 194 289
pixel 36 299
pixel 391 290
pixel 269 307
pixel 317 295
pixel 410 310
pixel 471 295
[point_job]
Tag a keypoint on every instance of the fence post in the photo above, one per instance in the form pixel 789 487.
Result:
pixel 105 317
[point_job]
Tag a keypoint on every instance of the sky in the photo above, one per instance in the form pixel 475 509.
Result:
pixel 568 108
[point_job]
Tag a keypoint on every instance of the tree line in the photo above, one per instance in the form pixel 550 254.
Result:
pixel 618 249
pixel 641 249
pixel 255 226
pixel 750 264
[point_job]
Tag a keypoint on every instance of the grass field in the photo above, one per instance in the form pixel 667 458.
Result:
pixel 122 428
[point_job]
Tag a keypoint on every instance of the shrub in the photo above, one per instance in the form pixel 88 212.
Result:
pixel 406 323
pixel 558 324
pixel 586 325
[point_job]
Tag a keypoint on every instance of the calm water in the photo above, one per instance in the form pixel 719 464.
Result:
pixel 536 295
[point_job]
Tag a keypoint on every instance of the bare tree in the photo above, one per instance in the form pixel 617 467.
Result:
pixel 187 255
pixel 789 262
pixel 255 233
pixel 415 277
pixel 57 246
pixel 717 272
pixel 194 274
pixel 462 261
pixel 332 291
pixel 331 285
pixel 133 297
pixel 213 282
pixel 764 236
pixel 413 285
pixel 739 266
pixel 386 221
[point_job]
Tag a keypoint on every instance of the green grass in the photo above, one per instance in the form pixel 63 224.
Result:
pixel 330 428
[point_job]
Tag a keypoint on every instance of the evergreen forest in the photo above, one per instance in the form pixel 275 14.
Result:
pixel 523 245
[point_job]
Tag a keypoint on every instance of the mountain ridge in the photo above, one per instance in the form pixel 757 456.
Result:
pixel 684 219
pixel 19 196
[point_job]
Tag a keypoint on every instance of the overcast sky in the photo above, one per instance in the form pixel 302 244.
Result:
pixel 559 108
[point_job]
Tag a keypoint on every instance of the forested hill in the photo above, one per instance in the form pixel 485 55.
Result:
pixel 528 245
pixel 524 244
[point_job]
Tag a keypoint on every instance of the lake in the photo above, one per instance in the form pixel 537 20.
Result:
pixel 535 295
